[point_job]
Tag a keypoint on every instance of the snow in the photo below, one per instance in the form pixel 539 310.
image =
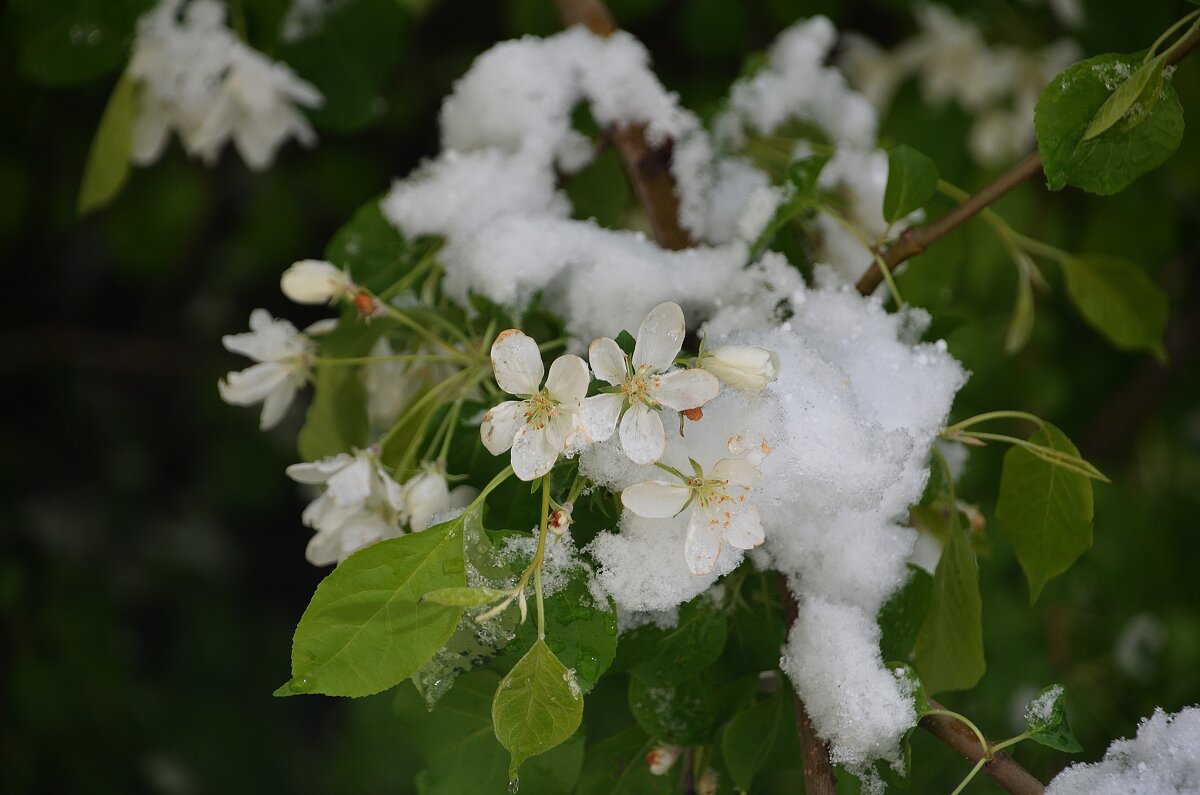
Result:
pixel 1164 758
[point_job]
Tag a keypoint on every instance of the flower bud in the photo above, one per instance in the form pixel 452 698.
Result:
pixel 313 281
pixel 560 519
pixel 662 757
pixel 745 367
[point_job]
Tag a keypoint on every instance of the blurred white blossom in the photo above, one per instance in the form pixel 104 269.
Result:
pixel 283 361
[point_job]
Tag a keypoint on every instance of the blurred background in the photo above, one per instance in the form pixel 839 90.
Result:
pixel 151 552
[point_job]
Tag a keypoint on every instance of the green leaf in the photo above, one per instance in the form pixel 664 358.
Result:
pixel 1046 718
pixel 902 615
pixel 949 649
pixel 1044 510
pixel 1119 300
pixel 617 766
pixel 64 42
pixel 336 420
pixel 464 597
pixel 912 181
pixel 108 161
pixel 1021 325
pixel 374 252
pixel 581 632
pixel 756 629
pixel 366 629
pixel 920 699
pixel 684 713
pixel 626 342
pixel 749 737
pixel 1132 146
pixel 349 58
pixel 1142 86
pixel 538 705
pixel 666 656
pixel 461 752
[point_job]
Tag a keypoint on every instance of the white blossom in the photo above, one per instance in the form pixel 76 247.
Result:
pixel 745 367
pixel 644 385
pixel 361 504
pixel 197 78
pixel 314 281
pixel 721 507
pixel 428 495
pixel 283 362
pixel 540 426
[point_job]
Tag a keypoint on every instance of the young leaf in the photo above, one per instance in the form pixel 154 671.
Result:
pixel 580 631
pixel 1046 718
pixel 538 705
pixel 108 160
pixel 1044 510
pixel 949 648
pixel 373 250
pixel 1107 163
pixel 664 657
pixel 901 617
pixel 464 597
pixel 800 186
pixel 1141 87
pixel 912 181
pixel 1119 300
pixel 366 629
pixel 749 737
pixel 1021 325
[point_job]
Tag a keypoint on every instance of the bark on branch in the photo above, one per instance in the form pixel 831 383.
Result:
pixel 648 168
pixel 1002 768
pixel 818 771
pixel 916 239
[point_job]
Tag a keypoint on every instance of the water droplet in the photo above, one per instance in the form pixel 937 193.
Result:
pixel 514 784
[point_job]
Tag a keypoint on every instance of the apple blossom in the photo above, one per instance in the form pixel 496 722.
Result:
pixel 283 355
pixel 361 504
pixel 721 510
pixel 643 385
pixel 428 494
pixel 539 427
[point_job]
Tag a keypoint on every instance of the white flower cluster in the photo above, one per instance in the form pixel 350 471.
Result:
pixel 198 79
pixel 999 84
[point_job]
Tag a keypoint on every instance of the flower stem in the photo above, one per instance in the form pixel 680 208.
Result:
pixel 540 556
pixel 974 771
pixel 983 743
pixel 348 361
pixel 858 235
pixel 992 415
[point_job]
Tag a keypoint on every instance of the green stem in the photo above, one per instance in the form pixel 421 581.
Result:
pixel 1150 53
pixel 983 743
pixel 409 279
pixel 501 476
pixel 405 320
pixel 858 235
pixel 357 360
pixel 540 555
pixel 407 415
pixel 974 771
pixel 1010 741
pixel 455 410
pixel 993 415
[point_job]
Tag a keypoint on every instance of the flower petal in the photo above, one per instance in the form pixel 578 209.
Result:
pixel 352 486
pixel 600 413
pixel 534 451
pixel 608 360
pixel 659 337
pixel 500 424
pixel 742 527
pixel 319 471
pixel 684 389
pixel 517 363
pixel 702 546
pixel 254 384
pixel 656 499
pixel 568 382
pixel 642 436
pixel 738 470
pixel 276 405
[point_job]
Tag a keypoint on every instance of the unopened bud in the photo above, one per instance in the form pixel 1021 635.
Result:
pixel 560 519
pixel 314 281
pixel 662 757
pixel 745 367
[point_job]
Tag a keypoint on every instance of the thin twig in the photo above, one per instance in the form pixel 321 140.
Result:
pixel 647 167
pixel 1002 768
pixel 818 771
pixel 916 239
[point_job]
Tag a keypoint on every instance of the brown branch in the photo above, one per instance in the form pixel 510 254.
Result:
pixel 647 167
pixel 916 239
pixel 818 771
pixel 1002 768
